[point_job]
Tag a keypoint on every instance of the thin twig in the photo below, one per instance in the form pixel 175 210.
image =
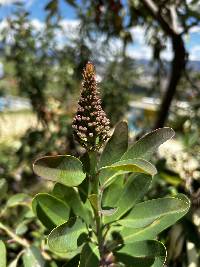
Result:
pixel 15 237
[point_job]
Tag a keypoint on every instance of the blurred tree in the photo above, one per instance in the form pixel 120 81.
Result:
pixel 118 79
pixel 29 52
pixel 162 19
pixel 45 73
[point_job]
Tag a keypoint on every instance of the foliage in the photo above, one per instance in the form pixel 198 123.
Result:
pixel 49 76
pixel 98 226
pixel 116 87
pixel 134 222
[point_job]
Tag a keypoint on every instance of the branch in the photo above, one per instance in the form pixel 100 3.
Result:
pixel 174 18
pixel 15 237
pixel 155 12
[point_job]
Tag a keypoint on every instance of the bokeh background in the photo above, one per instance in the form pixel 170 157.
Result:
pixel 147 58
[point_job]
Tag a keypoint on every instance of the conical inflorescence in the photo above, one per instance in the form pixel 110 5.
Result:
pixel 91 126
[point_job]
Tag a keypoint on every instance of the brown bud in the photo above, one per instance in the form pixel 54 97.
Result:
pixel 91 126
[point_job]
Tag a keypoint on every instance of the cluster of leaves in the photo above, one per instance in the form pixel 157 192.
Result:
pixel 20 232
pixel 128 227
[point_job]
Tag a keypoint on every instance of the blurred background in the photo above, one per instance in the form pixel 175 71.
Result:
pixel 147 57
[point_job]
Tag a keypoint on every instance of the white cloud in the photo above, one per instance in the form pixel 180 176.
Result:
pixel 141 52
pixel 70 23
pixel 138 34
pixel 9 2
pixel 37 24
pixel 70 28
pixel 195 29
pixel 138 50
pixel 145 52
pixel 195 53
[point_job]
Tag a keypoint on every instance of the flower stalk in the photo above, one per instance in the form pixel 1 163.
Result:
pixel 90 124
pixel 91 130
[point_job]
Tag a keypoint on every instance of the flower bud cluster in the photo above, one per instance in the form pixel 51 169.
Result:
pixel 90 124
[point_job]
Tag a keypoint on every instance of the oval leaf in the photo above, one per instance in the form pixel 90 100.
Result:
pixel 116 146
pixel 108 176
pixel 153 250
pixel 148 144
pixel 33 258
pixel 71 197
pixel 134 189
pixel 66 170
pixel 50 210
pixel 147 212
pixel 2 254
pixel 151 230
pixel 89 256
pixel 133 165
pixel 64 238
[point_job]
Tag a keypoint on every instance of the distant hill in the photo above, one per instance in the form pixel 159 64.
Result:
pixel 147 65
pixel 194 65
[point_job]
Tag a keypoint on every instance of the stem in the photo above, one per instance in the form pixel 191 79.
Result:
pixel 95 190
pixel 15 237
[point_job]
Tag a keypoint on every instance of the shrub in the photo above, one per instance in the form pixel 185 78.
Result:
pixel 95 213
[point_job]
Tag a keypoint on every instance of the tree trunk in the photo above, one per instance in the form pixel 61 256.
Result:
pixel 177 68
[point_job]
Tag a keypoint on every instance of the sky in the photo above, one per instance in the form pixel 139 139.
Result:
pixel 137 50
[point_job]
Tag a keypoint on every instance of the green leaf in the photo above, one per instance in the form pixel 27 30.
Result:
pixel 130 261
pixel 153 227
pixel 50 210
pixel 22 228
pixel 112 193
pixel 153 251
pixel 33 258
pixel 15 261
pixel 116 146
pixel 134 190
pixel 94 201
pixel 89 256
pixel 108 211
pixel 66 170
pixel 65 237
pixel 148 144
pixel 108 176
pixel 18 199
pixel 133 165
pixel 84 189
pixel 3 187
pixel 147 212
pixel 74 262
pixel 71 197
pixel 2 254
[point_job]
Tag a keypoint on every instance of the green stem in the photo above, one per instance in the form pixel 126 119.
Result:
pixel 95 190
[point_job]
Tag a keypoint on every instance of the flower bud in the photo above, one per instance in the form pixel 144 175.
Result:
pixel 90 124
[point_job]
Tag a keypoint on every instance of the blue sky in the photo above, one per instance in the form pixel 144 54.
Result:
pixel 137 50
pixel 36 9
